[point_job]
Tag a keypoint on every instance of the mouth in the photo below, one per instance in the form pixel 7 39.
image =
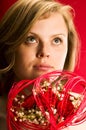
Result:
pixel 43 67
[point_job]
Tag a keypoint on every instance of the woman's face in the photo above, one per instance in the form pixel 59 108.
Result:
pixel 44 50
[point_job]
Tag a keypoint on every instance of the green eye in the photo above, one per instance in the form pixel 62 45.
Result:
pixel 30 39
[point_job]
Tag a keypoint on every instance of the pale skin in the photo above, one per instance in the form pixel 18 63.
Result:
pixel 44 50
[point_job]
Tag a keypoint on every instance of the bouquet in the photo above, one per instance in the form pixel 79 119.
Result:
pixel 50 102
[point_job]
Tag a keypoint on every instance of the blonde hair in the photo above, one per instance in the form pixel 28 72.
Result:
pixel 20 18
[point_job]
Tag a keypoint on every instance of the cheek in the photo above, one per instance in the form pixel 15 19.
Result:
pixel 61 53
pixel 22 58
pixel 23 55
pixel 60 58
pixel 63 56
pixel 21 67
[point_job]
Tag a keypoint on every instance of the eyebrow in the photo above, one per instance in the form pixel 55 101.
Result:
pixel 60 34
pixel 54 35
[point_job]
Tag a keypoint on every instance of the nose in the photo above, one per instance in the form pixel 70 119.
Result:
pixel 41 55
pixel 43 52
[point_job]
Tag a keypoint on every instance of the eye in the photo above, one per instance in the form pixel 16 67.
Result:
pixel 57 41
pixel 30 40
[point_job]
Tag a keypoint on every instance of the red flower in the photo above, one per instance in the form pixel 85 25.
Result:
pixel 65 108
pixel 29 102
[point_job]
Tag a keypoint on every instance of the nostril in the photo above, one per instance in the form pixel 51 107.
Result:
pixel 41 55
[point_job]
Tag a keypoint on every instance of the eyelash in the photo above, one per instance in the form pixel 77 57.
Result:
pixel 58 39
pixel 30 39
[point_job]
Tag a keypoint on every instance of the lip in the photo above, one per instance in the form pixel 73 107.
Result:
pixel 43 67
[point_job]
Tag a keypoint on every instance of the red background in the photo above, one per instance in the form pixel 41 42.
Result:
pixel 80 21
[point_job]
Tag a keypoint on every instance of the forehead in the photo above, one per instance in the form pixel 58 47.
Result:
pixel 50 22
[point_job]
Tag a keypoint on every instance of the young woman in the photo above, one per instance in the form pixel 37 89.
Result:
pixel 36 37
